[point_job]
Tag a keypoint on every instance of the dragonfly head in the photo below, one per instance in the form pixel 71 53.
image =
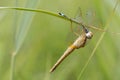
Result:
pixel 89 35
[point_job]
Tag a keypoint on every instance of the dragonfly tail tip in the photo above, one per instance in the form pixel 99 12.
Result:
pixel 51 70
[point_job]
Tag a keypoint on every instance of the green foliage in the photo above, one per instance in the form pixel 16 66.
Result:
pixel 32 38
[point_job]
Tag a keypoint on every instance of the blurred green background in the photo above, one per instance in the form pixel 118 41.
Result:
pixel 38 40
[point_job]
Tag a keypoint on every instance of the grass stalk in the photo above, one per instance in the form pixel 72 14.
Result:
pixel 12 67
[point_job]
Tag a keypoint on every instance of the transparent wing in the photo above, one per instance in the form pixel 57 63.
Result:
pixel 88 17
pixel 91 18
pixel 75 30
pixel 79 15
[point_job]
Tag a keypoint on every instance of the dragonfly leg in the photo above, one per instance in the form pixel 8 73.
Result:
pixel 73 30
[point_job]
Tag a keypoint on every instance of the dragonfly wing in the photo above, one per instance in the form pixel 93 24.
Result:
pixel 91 18
pixel 75 29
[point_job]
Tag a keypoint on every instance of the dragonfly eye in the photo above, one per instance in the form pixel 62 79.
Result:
pixel 61 14
pixel 89 35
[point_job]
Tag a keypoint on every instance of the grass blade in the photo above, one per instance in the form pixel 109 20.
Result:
pixel 21 33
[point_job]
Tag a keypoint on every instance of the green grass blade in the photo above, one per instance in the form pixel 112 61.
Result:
pixel 52 14
pixel 22 32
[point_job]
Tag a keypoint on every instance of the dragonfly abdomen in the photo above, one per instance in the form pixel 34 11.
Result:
pixel 66 53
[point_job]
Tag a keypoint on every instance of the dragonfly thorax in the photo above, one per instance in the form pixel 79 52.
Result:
pixel 89 35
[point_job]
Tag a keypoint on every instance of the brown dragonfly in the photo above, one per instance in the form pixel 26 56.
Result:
pixel 78 43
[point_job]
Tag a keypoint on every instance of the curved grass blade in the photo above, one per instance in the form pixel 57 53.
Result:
pixel 52 14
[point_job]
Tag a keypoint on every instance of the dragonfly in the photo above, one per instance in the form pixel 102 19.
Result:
pixel 78 43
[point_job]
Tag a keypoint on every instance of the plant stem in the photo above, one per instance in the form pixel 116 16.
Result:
pixel 12 67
